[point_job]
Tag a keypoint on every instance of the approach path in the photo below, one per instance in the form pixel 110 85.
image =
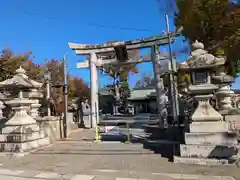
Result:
pixel 78 156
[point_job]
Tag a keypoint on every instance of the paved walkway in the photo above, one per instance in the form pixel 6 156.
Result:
pixel 37 175
pixel 105 160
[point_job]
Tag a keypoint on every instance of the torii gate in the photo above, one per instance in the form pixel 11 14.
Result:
pixel 119 49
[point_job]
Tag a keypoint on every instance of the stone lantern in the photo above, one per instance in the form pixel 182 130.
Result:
pixel 35 95
pixel 225 100
pixel 224 92
pixel 2 97
pixel 209 135
pixel 21 132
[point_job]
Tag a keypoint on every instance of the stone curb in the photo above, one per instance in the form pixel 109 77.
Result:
pixel 178 176
pixel 194 176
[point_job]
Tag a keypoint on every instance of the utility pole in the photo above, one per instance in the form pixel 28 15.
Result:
pixel 48 98
pixel 172 80
pixel 65 94
pixel 47 77
pixel 48 94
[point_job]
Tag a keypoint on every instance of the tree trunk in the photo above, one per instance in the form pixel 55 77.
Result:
pixel 117 91
pixel 116 88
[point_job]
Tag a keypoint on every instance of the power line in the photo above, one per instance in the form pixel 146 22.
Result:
pixel 94 24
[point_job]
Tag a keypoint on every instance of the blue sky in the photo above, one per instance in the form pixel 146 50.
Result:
pixel 45 27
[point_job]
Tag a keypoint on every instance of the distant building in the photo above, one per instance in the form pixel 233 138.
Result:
pixel 143 100
pixel 106 101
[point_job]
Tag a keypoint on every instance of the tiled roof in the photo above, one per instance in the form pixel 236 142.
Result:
pixel 105 92
pixel 138 94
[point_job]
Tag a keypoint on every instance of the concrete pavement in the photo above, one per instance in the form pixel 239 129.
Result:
pixel 78 155
pixel 7 174
pixel 4 177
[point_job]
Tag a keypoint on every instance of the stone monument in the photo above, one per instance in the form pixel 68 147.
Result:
pixel 86 114
pixel 21 132
pixel 209 140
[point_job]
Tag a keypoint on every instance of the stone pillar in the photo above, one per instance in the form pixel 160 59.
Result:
pixel 94 89
pixel 159 86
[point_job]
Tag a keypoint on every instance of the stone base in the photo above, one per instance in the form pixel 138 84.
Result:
pixel 21 133
pixel 205 112
pixel 208 143
pixel 18 147
pixel 200 161
pixel 216 126
pixel 17 137
pixel 21 138
pixel 211 151
pixel 230 112
pixel 211 138
pixel 20 129
pixel 52 127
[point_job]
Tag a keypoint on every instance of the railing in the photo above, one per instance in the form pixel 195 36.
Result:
pixel 126 124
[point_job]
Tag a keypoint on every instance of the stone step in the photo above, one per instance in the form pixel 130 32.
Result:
pixel 164 147
pixel 161 141
pixel 172 134
pixel 211 138
pixel 207 151
pixel 203 127
pixel 200 161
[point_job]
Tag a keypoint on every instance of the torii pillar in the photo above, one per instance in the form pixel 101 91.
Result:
pixel 94 89
pixel 93 63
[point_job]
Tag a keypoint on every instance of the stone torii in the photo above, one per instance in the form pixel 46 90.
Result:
pixel 119 49
pixel 93 63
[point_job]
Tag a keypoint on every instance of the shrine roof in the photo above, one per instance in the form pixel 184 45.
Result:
pixel 105 92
